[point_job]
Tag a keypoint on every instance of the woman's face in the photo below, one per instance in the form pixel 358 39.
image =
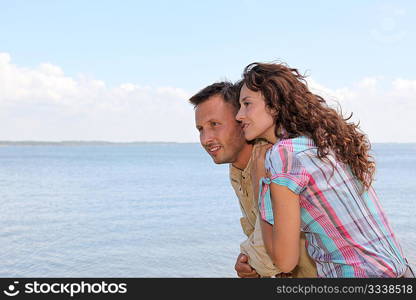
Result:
pixel 256 118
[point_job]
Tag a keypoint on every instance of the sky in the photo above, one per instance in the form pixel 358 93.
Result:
pixel 123 70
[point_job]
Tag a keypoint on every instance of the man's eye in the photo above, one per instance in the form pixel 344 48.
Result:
pixel 246 103
pixel 215 123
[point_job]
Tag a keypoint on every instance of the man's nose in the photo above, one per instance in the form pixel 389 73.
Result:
pixel 206 137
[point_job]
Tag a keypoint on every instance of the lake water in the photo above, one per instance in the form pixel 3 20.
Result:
pixel 145 210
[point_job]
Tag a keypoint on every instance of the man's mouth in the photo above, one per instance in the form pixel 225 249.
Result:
pixel 245 125
pixel 213 149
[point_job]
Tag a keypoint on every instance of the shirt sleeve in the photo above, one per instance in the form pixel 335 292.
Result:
pixel 285 169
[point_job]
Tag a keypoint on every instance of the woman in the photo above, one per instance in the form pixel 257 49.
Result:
pixel 319 179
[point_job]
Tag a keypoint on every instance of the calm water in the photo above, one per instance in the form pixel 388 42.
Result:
pixel 151 210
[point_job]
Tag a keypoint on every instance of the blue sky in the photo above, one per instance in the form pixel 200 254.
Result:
pixel 185 45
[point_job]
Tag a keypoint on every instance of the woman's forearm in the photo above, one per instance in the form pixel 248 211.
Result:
pixel 286 228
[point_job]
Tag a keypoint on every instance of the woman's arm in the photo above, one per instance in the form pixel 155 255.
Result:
pixel 286 228
pixel 281 240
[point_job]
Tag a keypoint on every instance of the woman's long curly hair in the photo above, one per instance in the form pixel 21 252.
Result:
pixel 300 112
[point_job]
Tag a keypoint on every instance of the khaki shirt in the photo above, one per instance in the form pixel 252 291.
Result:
pixel 254 247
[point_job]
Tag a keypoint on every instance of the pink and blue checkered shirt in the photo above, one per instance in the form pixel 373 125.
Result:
pixel 347 232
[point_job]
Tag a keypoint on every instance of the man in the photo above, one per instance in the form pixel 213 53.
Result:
pixel 222 137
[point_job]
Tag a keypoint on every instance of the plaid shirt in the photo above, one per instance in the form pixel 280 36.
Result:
pixel 347 232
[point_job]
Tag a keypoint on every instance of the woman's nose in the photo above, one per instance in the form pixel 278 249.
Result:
pixel 240 115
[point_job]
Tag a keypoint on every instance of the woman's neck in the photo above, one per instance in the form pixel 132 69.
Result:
pixel 270 135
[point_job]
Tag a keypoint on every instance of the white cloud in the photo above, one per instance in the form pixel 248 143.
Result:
pixel 44 104
pixel 404 86
pixel 384 108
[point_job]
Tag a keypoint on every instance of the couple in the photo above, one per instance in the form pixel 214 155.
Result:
pixel 303 177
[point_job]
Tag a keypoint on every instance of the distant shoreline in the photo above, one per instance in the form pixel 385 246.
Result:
pixel 108 143
pixel 81 143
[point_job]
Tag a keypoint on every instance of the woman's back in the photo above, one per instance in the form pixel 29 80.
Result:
pixel 347 232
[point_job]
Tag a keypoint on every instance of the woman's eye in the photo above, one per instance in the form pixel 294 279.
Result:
pixel 246 103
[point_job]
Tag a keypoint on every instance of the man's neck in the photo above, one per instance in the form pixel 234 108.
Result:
pixel 243 157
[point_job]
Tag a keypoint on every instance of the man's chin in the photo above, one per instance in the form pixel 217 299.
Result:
pixel 217 161
pixel 221 160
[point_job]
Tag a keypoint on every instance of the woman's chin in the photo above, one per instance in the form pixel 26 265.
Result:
pixel 250 137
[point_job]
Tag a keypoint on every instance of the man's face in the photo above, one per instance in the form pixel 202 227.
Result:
pixel 219 132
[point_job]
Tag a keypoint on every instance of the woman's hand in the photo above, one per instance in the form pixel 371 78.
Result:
pixel 257 168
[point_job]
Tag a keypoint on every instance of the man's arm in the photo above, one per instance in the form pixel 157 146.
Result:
pixel 243 269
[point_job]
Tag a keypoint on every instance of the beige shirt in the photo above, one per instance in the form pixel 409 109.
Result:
pixel 254 247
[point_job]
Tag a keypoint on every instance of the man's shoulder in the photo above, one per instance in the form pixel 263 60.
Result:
pixel 238 173
pixel 259 142
pixel 234 174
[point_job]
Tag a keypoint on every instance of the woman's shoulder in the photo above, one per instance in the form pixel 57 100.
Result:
pixel 286 156
pixel 294 145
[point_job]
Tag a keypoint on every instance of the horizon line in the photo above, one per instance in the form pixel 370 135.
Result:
pixel 28 142
pixel 89 141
